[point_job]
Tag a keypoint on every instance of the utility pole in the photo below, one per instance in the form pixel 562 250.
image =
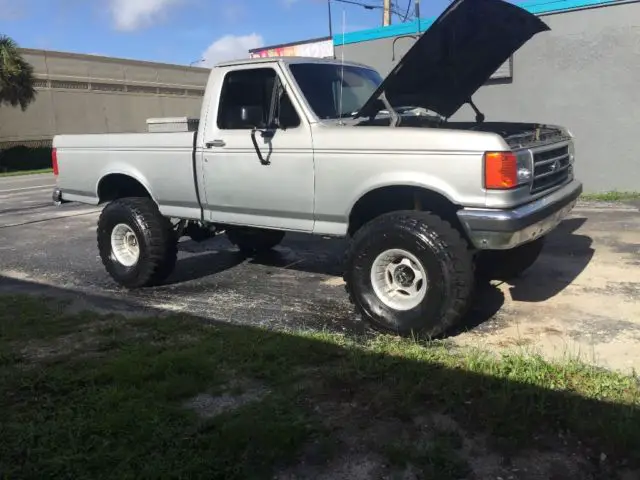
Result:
pixel 330 19
pixel 386 13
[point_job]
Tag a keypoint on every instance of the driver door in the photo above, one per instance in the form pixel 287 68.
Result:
pixel 258 154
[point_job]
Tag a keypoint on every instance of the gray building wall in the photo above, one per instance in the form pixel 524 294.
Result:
pixel 92 94
pixel 584 74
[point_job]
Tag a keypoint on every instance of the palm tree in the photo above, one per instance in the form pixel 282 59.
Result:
pixel 16 76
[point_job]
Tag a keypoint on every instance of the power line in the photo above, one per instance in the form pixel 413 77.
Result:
pixel 406 14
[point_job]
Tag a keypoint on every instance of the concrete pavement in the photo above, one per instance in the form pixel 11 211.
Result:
pixel 27 199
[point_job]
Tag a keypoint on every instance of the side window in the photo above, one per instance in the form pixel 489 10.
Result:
pixel 286 114
pixel 246 101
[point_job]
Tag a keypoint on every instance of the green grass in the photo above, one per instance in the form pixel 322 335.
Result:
pixel 437 458
pixel 25 172
pixel 613 196
pixel 90 396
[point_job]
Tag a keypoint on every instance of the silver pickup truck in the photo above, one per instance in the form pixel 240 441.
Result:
pixel 330 148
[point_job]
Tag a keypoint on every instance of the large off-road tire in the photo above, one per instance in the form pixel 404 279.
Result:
pixel 392 252
pixel 506 265
pixel 137 245
pixel 254 241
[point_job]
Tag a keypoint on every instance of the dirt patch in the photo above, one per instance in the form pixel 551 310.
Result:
pixel 87 341
pixel 346 467
pixel 235 395
pixel 433 446
pixel 94 338
pixel 76 344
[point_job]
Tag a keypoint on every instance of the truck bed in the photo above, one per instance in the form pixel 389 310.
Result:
pixel 163 163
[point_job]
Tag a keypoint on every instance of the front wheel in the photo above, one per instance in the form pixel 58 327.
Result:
pixel 137 245
pixel 409 273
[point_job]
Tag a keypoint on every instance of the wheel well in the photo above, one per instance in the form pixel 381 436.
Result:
pixel 118 185
pixel 389 199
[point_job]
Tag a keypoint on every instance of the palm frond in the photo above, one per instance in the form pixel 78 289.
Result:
pixel 16 76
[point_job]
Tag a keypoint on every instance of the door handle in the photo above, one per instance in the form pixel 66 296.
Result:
pixel 267 133
pixel 215 143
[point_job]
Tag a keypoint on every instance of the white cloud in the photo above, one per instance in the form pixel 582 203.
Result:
pixel 231 47
pixel 134 14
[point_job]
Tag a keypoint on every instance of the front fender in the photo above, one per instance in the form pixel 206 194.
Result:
pixel 403 179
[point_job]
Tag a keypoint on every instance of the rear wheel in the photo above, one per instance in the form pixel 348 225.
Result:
pixel 137 245
pixel 409 273
pixel 508 264
pixel 254 241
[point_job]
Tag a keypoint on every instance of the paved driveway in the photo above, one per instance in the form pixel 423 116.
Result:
pixel 581 297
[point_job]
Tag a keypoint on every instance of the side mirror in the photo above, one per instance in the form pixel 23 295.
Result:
pixel 251 116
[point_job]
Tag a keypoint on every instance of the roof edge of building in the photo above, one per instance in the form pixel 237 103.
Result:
pixel 290 44
pixel 103 58
pixel 537 7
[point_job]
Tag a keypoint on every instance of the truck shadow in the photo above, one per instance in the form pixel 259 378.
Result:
pixel 487 302
pixel 565 256
pixel 200 260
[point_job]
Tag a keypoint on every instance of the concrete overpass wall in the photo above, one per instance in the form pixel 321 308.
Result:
pixel 92 94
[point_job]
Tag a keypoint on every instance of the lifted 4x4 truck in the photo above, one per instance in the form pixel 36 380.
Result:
pixel 330 148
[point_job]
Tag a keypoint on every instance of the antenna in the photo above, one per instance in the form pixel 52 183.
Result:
pixel 344 16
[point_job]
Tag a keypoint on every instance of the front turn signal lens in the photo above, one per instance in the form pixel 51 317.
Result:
pixel 500 170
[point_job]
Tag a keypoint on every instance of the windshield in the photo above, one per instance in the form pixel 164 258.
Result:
pixel 321 83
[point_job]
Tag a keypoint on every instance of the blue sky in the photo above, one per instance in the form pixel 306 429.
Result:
pixel 181 31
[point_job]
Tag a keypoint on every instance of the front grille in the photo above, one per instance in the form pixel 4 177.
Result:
pixel 550 168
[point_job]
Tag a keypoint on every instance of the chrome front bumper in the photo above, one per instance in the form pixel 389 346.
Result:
pixel 491 229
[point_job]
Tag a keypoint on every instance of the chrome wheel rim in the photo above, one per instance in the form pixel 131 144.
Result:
pixel 399 279
pixel 125 245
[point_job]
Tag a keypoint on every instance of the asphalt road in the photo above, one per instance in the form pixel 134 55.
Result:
pixel 582 295
pixel 295 286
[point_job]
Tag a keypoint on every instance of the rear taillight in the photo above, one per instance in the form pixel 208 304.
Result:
pixel 54 161
pixel 500 170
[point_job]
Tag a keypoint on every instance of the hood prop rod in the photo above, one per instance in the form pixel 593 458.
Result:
pixel 393 45
pixel 395 118
pixel 479 114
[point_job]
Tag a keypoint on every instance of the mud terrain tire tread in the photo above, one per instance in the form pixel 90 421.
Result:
pixel 442 241
pixel 158 242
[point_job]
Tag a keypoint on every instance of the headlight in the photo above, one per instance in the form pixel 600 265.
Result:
pixel 524 169
pixel 572 152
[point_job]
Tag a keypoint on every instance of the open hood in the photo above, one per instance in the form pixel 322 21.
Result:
pixel 456 55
